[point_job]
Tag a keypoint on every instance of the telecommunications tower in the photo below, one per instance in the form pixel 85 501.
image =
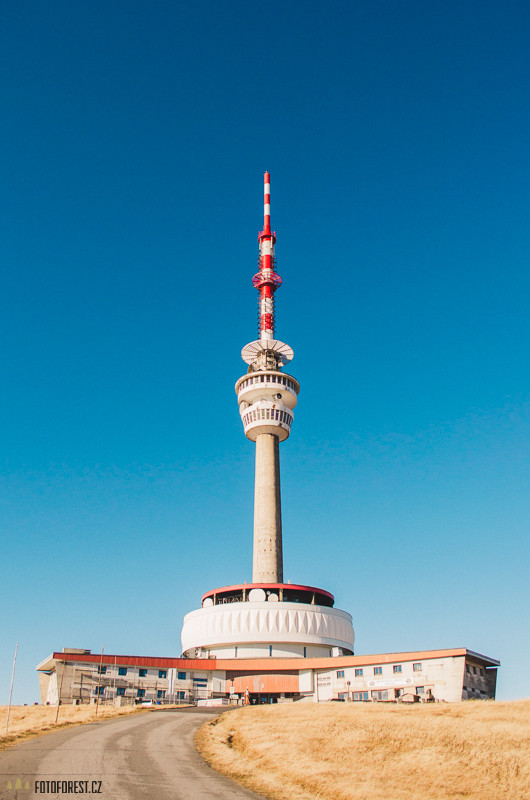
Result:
pixel 267 617
pixel 266 398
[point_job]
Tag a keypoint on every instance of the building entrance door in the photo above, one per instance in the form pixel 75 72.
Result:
pixel 262 698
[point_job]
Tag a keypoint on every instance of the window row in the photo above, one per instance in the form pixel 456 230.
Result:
pixel 162 673
pixel 267 413
pixel 396 669
pixel 121 692
pixel 379 694
pixel 281 379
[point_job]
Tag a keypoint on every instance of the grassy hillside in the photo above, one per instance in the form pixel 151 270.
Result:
pixel 478 750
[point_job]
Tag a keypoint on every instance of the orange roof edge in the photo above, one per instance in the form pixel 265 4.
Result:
pixel 267 664
pixel 338 661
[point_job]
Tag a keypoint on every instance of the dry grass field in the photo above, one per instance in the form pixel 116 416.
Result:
pixel 25 721
pixel 477 750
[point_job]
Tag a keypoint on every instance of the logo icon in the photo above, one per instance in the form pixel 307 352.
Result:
pixel 18 785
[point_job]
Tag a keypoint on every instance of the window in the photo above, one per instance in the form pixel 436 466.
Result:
pixel 340 673
pixel 120 691
pixel 305 652
pixel 162 673
pixel 380 694
pixel 182 676
pixel 142 673
pixel 378 670
pixel 359 697
pixel 420 689
pixel 99 690
pixel 358 673
pixel 396 668
pixel 140 693
pixel 180 695
pixel 416 667
pixel 102 670
pixel 122 670
pixel 161 693
pixel 270 649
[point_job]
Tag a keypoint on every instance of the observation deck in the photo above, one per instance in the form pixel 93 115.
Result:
pixel 266 399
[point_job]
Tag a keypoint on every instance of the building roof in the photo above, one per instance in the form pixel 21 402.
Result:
pixel 276 586
pixel 261 664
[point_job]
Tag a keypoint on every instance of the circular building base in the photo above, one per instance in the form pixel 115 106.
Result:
pixel 263 620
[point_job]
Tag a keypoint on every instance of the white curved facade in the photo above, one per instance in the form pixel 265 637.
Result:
pixel 256 626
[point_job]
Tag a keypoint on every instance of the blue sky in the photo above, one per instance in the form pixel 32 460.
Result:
pixel 134 140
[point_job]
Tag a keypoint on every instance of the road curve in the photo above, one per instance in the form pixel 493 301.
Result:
pixel 143 757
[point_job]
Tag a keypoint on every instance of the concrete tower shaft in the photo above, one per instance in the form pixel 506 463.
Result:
pixel 267 565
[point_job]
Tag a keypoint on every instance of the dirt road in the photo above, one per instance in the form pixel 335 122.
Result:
pixel 150 756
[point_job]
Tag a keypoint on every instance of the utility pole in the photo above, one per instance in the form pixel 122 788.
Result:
pixel 60 690
pixel 99 679
pixel 11 689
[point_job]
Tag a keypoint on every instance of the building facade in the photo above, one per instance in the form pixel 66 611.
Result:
pixel 74 675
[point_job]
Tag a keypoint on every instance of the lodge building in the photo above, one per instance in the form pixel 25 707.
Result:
pixel 452 675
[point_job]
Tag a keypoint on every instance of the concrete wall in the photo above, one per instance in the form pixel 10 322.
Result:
pixel 443 676
pixel 479 683
pixel 80 681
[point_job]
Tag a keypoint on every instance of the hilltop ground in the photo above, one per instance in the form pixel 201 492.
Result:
pixel 477 750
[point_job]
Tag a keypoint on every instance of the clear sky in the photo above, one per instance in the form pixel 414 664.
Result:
pixel 133 145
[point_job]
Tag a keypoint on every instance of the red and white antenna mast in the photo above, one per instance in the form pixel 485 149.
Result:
pixel 266 281
pixel 267 352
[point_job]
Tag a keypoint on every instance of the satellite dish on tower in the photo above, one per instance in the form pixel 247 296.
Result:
pixel 251 351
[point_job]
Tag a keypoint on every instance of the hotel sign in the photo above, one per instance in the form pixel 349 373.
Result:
pixel 172 676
